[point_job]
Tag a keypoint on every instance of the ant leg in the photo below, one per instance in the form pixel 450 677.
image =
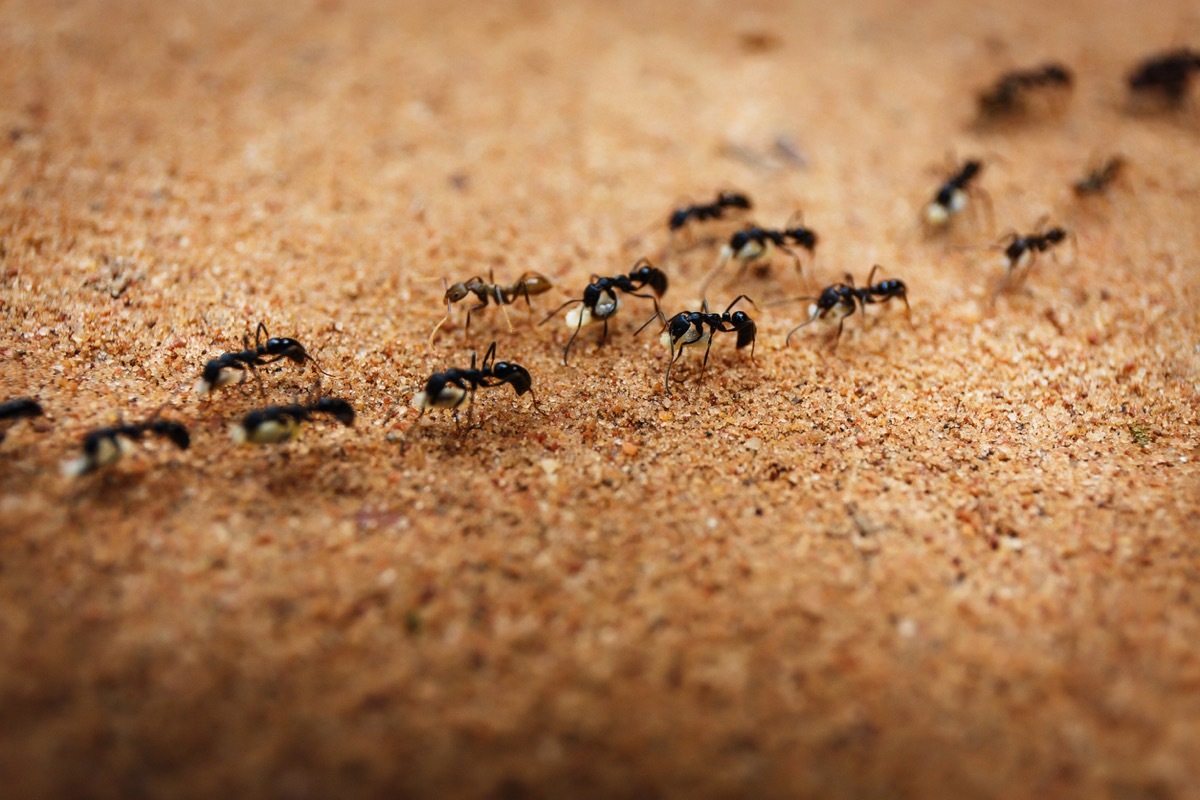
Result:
pixel 704 363
pixel 604 333
pixel 261 329
pixel 488 358
pixel 656 315
pixel 477 307
pixel 578 327
pixel 508 319
pixel 675 356
pixel 871 277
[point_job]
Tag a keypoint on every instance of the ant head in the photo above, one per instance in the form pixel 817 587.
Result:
pixel 337 408
pixel 833 295
pixel 969 170
pixel 513 374
pixel 456 292
pixel 174 431
pixel 288 348
pixel 733 200
pixel 647 274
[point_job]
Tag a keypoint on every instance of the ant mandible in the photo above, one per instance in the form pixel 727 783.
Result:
pixel 15 409
pixel 1009 94
pixel 530 283
pixel 753 243
pixel 600 301
pixel 951 197
pixel 453 387
pixel 233 367
pixel 1167 75
pixel 277 424
pixel 688 328
pixel 104 447
pixel 844 299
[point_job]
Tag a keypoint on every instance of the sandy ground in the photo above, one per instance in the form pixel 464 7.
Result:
pixel 954 559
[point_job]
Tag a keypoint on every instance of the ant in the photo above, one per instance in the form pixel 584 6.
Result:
pixel 753 243
pixel 1166 75
pixel 707 211
pixel 1008 95
pixel 600 301
pixel 104 447
pixel 224 369
pixel 15 409
pixel 1023 250
pixel 530 283
pixel 1098 179
pixel 845 299
pixel 951 198
pixel 277 424
pixel 687 328
pixel 452 388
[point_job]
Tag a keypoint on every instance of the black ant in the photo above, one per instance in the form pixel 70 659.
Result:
pixel 1098 179
pixel 1008 95
pixel 15 409
pixel 1166 75
pixel 753 243
pixel 707 211
pixel 845 299
pixel 951 197
pixel 233 367
pixel 600 301
pixel 687 328
pixel 1023 250
pixel 104 447
pixel 452 388
pixel 530 283
pixel 277 424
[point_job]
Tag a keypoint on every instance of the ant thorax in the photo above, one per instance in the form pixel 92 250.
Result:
pixel 581 316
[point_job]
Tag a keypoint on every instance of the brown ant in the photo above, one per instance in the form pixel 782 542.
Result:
pixel 233 367
pixel 277 424
pixel 843 299
pixel 687 329
pixel 453 387
pixel 15 409
pixel 1166 75
pixel 104 447
pixel 753 243
pixel 1009 95
pixel 600 301
pixel 951 197
pixel 530 283
pixel 1099 178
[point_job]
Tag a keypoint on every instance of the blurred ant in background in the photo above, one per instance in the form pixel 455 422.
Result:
pixel 1100 178
pixel 951 197
pixel 1165 76
pixel 1011 93
pixel 277 424
pixel 600 301
pixel 1021 251
pixel 104 447
pixel 503 295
